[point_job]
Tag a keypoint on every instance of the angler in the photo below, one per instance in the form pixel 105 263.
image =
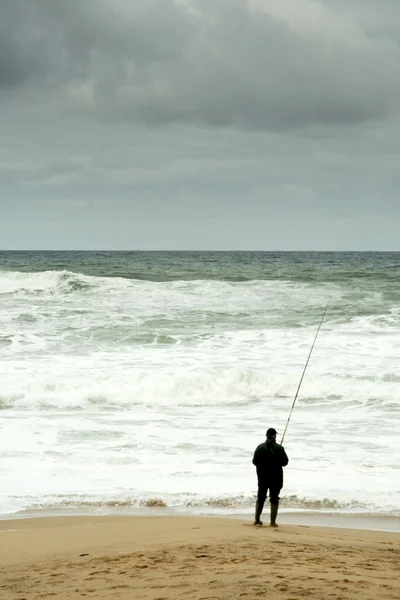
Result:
pixel 269 459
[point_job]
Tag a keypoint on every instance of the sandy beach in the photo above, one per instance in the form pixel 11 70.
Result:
pixel 159 558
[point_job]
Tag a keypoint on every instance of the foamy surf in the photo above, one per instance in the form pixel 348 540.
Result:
pixel 121 391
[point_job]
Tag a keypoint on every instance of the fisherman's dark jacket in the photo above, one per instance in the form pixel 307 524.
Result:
pixel 269 458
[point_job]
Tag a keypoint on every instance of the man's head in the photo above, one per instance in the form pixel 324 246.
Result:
pixel 271 434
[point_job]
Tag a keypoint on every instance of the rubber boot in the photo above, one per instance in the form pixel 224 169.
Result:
pixel 259 509
pixel 274 514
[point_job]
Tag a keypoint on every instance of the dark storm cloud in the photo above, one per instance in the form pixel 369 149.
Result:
pixel 22 55
pixel 235 63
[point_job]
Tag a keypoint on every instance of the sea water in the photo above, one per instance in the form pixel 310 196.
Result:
pixel 136 380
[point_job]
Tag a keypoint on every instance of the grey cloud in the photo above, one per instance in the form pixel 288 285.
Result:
pixel 17 62
pixel 208 124
pixel 24 50
pixel 187 171
pixel 221 63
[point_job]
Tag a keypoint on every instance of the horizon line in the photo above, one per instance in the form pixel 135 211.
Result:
pixel 186 250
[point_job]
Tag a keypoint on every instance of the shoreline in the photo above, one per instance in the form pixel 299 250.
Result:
pixel 202 558
pixel 345 520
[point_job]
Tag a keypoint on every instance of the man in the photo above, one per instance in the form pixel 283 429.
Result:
pixel 269 458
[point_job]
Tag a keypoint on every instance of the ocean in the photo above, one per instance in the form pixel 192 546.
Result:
pixel 135 382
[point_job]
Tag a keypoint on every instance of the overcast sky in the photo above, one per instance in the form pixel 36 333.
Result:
pixel 200 124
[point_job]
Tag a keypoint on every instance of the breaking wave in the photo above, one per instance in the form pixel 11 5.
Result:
pixel 16 282
pixel 208 505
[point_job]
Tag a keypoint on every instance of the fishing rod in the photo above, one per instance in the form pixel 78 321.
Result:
pixel 304 370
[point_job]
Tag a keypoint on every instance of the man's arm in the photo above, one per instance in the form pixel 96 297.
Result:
pixel 256 457
pixel 284 457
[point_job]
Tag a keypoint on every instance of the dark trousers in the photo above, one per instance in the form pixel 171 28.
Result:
pixel 274 489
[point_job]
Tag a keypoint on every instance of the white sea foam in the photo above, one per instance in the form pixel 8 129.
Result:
pixel 115 392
